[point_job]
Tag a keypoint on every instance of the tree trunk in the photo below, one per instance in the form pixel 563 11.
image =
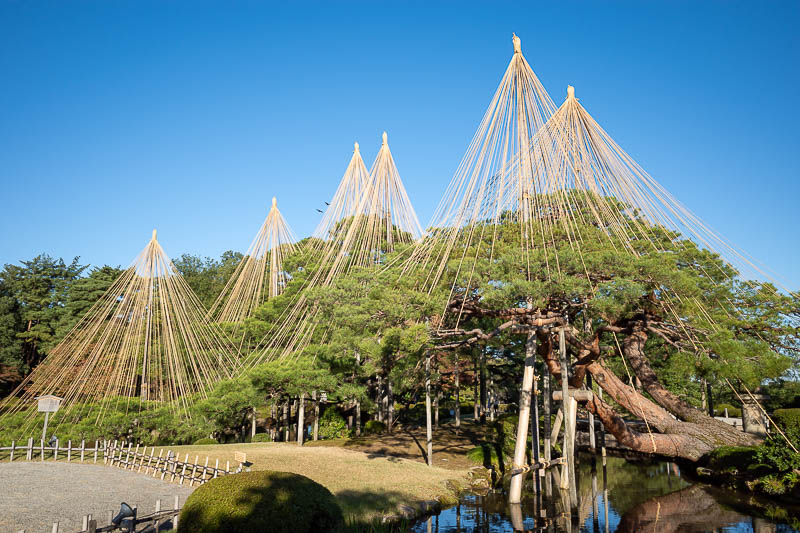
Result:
pixel 358 418
pixel 389 404
pixel 475 382
pixel 633 348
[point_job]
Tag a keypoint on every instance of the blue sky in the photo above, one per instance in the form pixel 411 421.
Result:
pixel 117 117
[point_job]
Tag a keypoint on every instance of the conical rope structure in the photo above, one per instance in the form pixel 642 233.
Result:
pixel 344 203
pixel 260 275
pixel 146 342
pixel 549 184
pixel 382 218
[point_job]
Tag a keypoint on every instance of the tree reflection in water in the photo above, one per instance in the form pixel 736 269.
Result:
pixel 623 497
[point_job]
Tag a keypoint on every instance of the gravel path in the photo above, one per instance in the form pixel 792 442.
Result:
pixel 33 495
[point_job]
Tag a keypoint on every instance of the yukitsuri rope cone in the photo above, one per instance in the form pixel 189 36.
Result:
pixel 145 342
pixel 344 203
pixel 260 274
pixel 553 192
pixel 381 218
pixel 547 171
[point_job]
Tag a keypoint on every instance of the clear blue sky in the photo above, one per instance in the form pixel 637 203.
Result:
pixel 119 116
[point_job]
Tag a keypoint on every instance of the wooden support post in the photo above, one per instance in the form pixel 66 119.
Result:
pixel 11 457
pixel 55 451
pixel 41 446
pixel 535 430
pixel 358 417
pixel 566 449
pixel 457 409
pixel 316 415
pixel 253 423
pixel 55 527
pixel 557 424
pixel 592 439
pixel 436 408
pixel 548 446
pixel 428 429
pixel 69 450
pixel 29 455
pixel 286 421
pixel 216 468
pixel 301 423
pixel 83 449
pixel 528 375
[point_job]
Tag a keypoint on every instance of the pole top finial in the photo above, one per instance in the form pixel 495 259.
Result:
pixel 385 138
pixel 517 43
pixel 355 146
pixel 570 91
pixel 154 234
pixel 274 201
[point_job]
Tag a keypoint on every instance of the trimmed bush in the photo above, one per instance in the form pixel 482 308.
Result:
pixel 788 420
pixel 734 412
pixel 374 427
pixel 279 502
pixel 205 440
pixel 261 437
pixel 332 425
pixel 727 458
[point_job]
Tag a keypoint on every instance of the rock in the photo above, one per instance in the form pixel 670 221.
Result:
pixel 702 471
pixel 390 519
pixel 429 506
pixel 406 511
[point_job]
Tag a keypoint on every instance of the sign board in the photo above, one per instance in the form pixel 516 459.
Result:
pixel 240 457
pixel 48 403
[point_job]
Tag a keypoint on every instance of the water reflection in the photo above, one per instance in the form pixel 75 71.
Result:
pixel 622 497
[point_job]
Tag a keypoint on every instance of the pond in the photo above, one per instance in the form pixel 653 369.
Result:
pixel 625 496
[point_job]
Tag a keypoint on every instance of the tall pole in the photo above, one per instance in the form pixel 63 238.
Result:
pixel 301 413
pixel 535 432
pixel 562 349
pixel 458 395
pixel 429 429
pixel 515 491
pixel 316 415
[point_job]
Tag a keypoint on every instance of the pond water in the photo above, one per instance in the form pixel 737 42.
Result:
pixel 623 497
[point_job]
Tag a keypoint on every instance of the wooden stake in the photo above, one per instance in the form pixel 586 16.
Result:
pixel 528 375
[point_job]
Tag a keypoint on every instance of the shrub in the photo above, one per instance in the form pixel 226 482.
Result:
pixel 279 502
pixel 734 412
pixel 204 440
pixel 261 437
pixel 332 425
pixel 775 451
pixel 374 427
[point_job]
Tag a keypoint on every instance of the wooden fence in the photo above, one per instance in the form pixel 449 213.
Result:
pixel 152 522
pixel 124 455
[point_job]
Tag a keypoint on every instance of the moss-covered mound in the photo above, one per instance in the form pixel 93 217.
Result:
pixel 260 501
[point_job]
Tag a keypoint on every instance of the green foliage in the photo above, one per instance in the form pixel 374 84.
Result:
pixel 775 451
pixel 261 437
pixel 205 440
pixel 33 298
pixel 332 425
pixel 206 276
pixel 486 455
pixel 279 502
pixel 726 458
pixel 374 427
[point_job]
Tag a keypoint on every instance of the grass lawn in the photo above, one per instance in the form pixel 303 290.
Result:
pixel 367 485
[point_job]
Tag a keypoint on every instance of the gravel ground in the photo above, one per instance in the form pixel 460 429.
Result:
pixel 33 495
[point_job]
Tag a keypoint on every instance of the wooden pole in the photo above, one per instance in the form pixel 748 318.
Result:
pixel 592 440
pixel 253 423
pixel 301 414
pixel 535 430
pixel 457 409
pixel 528 375
pixel 358 418
pixel 316 415
pixel 428 429
pixel 562 349
pixel 286 421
